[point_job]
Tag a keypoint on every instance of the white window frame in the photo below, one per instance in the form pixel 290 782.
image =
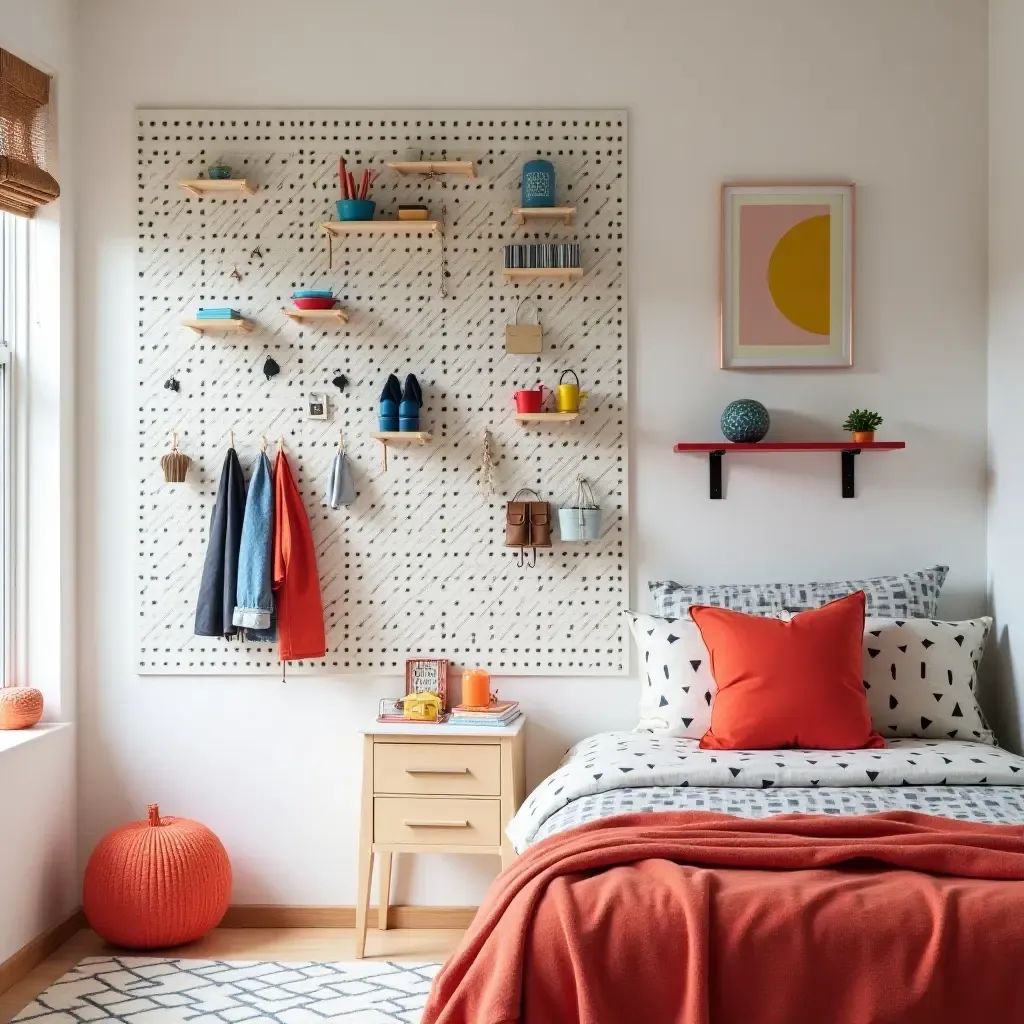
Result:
pixel 14 323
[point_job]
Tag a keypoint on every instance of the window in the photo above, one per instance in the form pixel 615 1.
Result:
pixel 13 321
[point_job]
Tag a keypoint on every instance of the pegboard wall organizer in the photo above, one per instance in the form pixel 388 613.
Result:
pixel 215 186
pixel 416 565
pixel 434 168
pixel 566 214
pixel 330 315
pixel 220 326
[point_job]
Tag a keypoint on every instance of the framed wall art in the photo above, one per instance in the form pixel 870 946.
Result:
pixel 427 675
pixel 787 276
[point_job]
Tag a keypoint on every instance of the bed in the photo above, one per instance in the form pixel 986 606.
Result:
pixel 663 883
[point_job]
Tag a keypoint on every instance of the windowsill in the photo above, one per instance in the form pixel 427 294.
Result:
pixel 11 738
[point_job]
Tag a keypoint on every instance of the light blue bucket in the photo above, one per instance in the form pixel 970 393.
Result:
pixel 580 521
pixel 579 524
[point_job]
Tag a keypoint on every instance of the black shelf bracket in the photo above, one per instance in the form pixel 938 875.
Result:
pixel 849 476
pixel 715 472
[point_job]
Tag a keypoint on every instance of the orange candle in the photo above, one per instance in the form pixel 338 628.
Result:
pixel 476 688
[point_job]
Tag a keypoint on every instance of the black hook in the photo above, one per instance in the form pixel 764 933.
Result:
pixel 533 564
pixel 271 368
pixel 340 381
pixel 171 384
pixel 521 557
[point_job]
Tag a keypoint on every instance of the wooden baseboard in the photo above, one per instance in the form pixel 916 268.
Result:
pixel 257 915
pixel 33 953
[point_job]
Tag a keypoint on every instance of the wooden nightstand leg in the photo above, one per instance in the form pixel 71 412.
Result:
pixel 384 870
pixel 365 849
pixel 508 799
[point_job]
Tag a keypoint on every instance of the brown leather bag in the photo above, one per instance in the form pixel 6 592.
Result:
pixel 527 523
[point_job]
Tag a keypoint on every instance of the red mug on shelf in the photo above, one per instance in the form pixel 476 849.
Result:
pixel 531 401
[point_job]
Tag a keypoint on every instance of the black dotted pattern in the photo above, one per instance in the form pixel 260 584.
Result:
pixel 416 566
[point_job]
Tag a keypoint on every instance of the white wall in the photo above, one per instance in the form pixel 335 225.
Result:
pixel 1006 355
pixel 38 827
pixel 892 96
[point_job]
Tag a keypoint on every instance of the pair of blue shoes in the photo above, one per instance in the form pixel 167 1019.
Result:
pixel 400 410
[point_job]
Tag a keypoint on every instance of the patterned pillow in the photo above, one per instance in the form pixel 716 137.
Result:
pixel 921 677
pixel 677 687
pixel 914 595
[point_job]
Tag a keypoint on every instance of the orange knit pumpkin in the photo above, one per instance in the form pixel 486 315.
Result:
pixel 20 707
pixel 157 883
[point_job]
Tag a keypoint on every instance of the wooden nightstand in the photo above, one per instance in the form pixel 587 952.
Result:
pixel 435 789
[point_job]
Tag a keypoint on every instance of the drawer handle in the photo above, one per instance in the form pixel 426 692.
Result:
pixel 436 771
pixel 435 824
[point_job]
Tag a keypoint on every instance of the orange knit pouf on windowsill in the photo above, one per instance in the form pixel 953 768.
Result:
pixel 20 707
pixel 157 883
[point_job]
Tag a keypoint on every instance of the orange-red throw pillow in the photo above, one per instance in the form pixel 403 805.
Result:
pixel 788 684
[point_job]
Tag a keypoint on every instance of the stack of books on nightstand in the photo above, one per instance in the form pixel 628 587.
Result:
pixel 497 715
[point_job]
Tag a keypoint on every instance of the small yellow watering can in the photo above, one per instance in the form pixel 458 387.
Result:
pixel 569 396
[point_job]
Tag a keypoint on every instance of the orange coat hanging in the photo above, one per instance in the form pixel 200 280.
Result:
pixel 300 612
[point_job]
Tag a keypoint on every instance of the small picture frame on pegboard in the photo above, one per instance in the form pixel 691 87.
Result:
pixel 318 405
pixel 427 675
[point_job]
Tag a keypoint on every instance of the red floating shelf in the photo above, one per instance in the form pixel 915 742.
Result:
pixel 848 449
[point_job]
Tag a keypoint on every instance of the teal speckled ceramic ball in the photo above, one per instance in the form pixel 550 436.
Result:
pixel 745 421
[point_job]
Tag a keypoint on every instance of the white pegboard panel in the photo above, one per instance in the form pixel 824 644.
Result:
pixel 416 566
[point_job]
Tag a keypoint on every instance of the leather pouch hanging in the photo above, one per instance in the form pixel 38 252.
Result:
pixel 540 524
pixel 517 521
pixel 524 339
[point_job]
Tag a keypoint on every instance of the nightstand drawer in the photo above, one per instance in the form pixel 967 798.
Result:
pixel 436 821
pixel 437 769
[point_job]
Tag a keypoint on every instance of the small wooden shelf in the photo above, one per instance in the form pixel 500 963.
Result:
pixel 546 417
pixel 402 436
pixel 558 273
pixel 200 186
pixel 389 437
pixel 848 450
pixel 432 167
pixel 219 326
pixel 381 227
pixel 562 213
pixel 299 315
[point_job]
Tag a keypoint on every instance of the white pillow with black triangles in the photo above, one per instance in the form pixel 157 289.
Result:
pixel 676 685
pixel 921 676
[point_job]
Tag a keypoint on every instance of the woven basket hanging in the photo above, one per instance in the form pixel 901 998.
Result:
pixel 175 463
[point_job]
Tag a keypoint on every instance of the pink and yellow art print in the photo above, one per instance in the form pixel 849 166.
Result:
pixel 787 276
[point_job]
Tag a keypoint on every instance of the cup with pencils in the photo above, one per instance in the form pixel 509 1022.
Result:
pixel 354 204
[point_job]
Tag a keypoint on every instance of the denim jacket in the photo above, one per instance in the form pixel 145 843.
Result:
pixel 254 610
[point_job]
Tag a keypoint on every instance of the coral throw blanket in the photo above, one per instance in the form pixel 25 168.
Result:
pixel 693 918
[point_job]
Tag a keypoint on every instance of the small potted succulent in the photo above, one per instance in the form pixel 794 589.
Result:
pixel 219 170
pixel 862 424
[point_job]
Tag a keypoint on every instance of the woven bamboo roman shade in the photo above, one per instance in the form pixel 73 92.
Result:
pixel 24 134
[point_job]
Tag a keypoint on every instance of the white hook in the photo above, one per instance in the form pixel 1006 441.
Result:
pixel 231 439
pixel 263 443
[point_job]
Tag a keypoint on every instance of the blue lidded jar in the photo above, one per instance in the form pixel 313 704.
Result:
pixel 538 183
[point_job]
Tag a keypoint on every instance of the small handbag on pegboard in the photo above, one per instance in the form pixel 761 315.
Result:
pixel 524 339
pixel 527 525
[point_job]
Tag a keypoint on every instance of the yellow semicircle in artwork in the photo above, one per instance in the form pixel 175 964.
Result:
pixel 799 275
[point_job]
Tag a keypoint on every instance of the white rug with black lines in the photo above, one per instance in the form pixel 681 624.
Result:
pixel 147 990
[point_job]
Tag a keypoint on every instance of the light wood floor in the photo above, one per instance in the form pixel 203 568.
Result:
pixel 246 944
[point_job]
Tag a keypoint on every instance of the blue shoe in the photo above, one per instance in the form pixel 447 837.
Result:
pixel 387 412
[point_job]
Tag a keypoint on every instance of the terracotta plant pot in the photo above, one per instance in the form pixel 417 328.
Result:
pixel 863 436
pixel 20 707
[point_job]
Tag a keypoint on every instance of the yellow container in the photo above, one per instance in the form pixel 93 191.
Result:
pixel 569 396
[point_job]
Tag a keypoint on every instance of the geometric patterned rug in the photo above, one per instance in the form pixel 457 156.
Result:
pixel 146 990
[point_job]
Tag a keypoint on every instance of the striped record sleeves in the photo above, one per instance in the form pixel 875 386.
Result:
pixel 543 255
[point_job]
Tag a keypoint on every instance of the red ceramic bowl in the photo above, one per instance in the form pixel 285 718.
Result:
pixel 315 303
